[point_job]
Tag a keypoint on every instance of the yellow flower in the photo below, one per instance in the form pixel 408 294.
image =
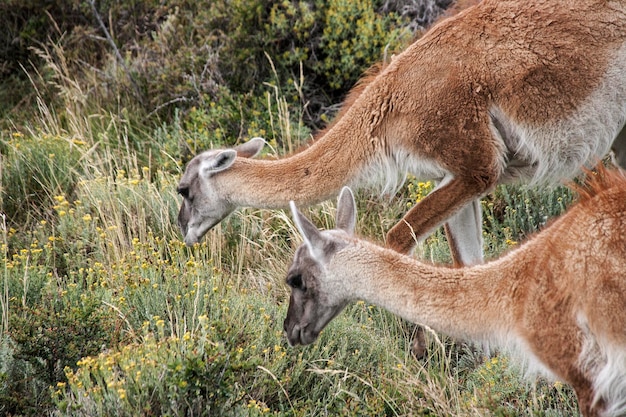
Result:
pixel 122 393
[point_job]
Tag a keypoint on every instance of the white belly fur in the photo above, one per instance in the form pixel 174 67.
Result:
pixel 556 151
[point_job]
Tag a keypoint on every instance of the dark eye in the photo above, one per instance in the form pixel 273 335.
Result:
pixel 295 281
pixel 183 190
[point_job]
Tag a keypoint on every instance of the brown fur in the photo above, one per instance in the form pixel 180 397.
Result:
pixel 373 72
pixel 558 300
pixel 597 182
pixel 505 91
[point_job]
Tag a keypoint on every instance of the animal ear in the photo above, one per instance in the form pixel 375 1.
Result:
pixel 311 235
pixel 218 162
pixel 346 211
pixel 250 149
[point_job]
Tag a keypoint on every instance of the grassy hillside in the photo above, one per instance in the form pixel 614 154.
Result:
pixel 104 311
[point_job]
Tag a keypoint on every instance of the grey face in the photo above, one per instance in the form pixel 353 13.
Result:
pixel 194 224
pixel 317 295
pixel 204 203
pixel 206 190
pixel 309 309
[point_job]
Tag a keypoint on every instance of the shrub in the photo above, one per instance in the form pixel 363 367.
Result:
pixel 511 213
pixel 161 375
pixel 354 37
pixel 51 325
pixel 35 168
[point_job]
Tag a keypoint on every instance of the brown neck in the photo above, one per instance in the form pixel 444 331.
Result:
pixel 470 303
pixel 308 177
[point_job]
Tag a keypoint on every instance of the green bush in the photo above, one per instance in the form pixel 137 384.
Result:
pixel 354 37
pixel 104 311
pixel 160 375
pixel 51 324
pixel 233 361
pixel 186 54
pixel 511 213
pixel 35 168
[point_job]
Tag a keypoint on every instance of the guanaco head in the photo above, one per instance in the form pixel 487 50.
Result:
pixel 317 294
pixel 205 197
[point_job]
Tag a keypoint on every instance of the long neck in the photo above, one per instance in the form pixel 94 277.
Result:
pixel 340 157
pixel 470 303
pixel 310 176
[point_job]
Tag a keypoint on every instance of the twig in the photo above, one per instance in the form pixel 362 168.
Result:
pixel 92 3
pixel 278 382
pixel 172 101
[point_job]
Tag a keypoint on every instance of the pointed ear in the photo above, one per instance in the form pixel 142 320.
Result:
pixel 250 149
pixel 218 162
pixel 311 235
pixel 346 211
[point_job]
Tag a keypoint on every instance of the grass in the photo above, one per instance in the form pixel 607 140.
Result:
pixel 104 311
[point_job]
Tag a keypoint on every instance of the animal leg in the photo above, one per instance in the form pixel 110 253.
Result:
pixel 437 207
pixel 465 235
pixel 585 401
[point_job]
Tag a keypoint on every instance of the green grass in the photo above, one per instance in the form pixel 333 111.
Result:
pixel 106 312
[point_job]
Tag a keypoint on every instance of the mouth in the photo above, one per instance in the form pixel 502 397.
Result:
pixel 300 335
pixel 190 240
pixel 193 234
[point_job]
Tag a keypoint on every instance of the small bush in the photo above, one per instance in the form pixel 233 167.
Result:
pixel 354 37
pixel 35 168
pixel 512 213
pixel 161 375
pixel 51 325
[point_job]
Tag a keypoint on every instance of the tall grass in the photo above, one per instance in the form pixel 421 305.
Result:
pixel 106 312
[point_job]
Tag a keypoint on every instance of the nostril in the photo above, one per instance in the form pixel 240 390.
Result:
pixel 183 190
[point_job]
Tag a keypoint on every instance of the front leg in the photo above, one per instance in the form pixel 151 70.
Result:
pixel 454 201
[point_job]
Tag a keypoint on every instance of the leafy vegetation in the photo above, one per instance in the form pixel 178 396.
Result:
pixel 104 311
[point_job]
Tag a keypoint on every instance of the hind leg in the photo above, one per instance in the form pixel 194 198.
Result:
pixel 465 235
pixel 586 403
